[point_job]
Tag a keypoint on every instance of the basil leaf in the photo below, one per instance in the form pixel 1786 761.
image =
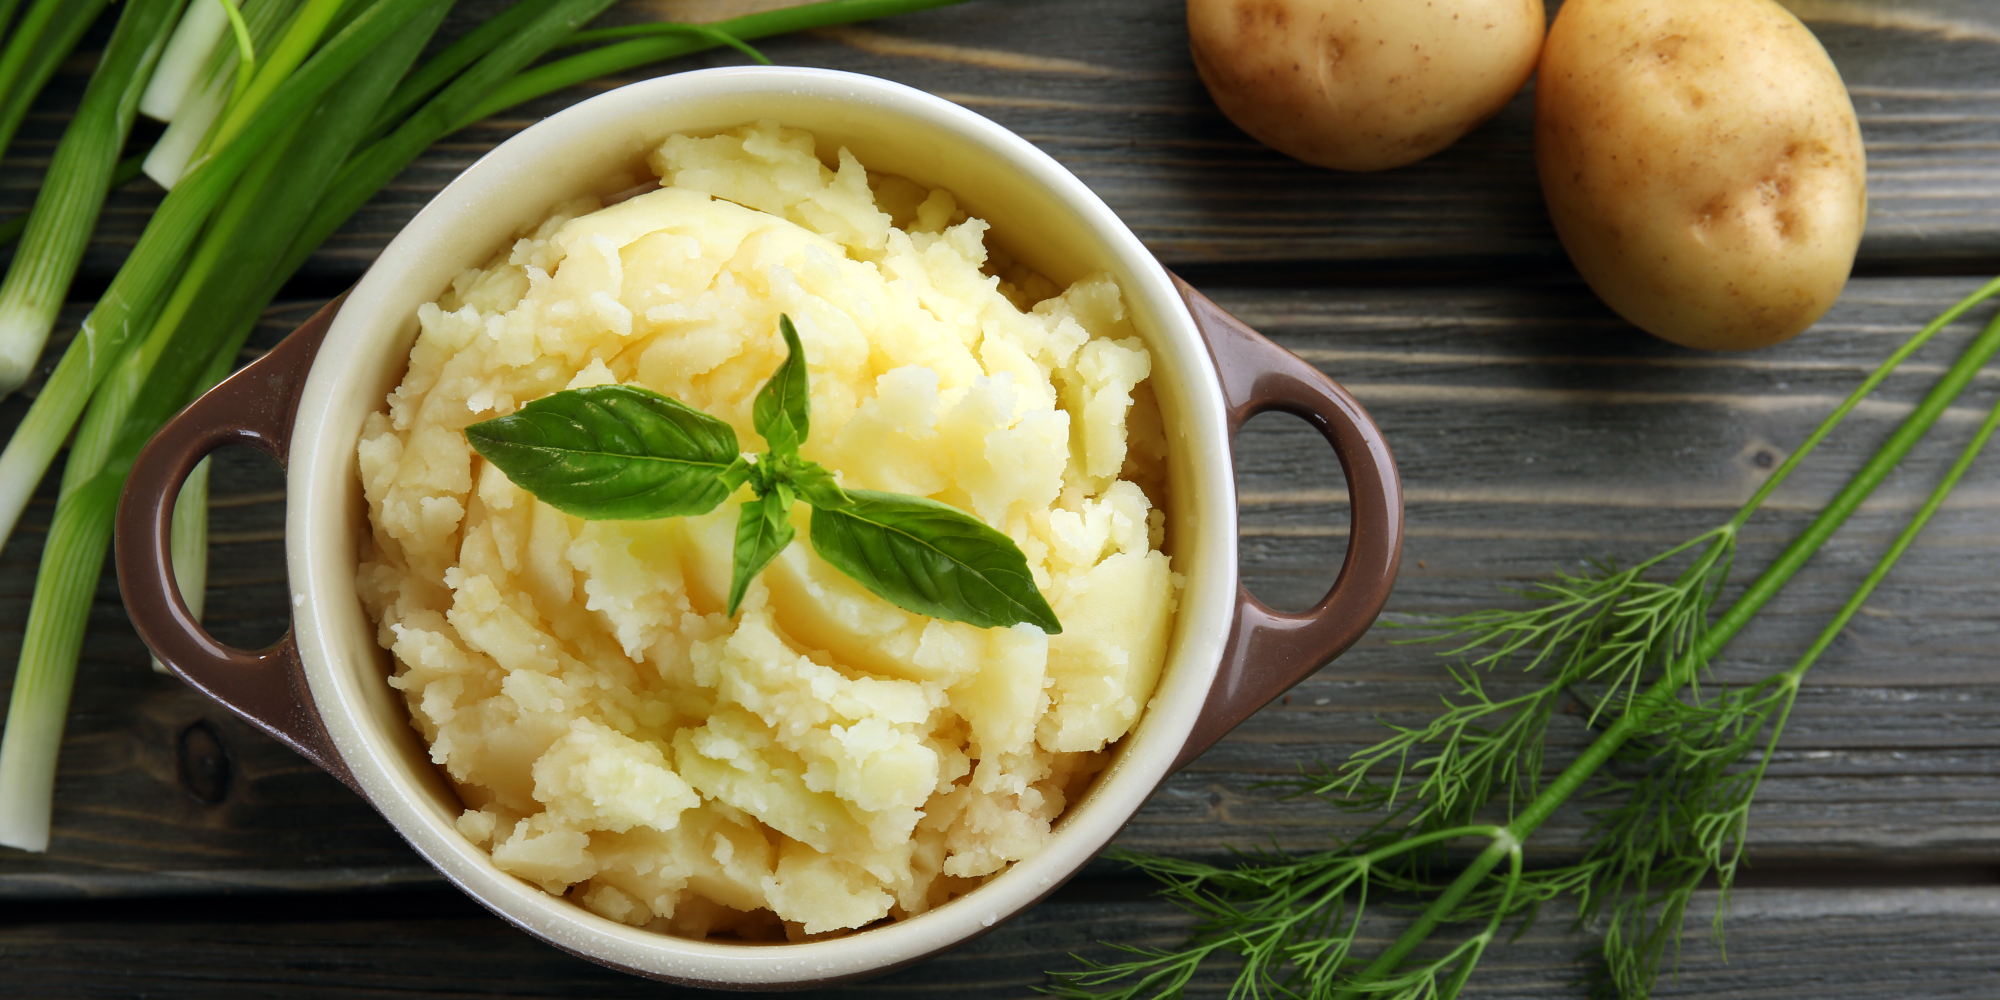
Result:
pixel 762 531
pixel 612 452
pixel 931 558
pixel 780 412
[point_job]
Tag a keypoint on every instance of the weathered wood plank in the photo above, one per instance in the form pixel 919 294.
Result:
pixel 1107 88
pixel 1893 753
pixel 1534 431
pixel 1851 944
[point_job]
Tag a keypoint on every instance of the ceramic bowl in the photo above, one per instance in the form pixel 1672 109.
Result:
pixel 322 688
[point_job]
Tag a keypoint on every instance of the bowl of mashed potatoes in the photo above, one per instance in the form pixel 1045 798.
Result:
pixel 559 714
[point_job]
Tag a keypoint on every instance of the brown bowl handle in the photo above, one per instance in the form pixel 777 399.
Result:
pixel 255 406
pixel 1269 651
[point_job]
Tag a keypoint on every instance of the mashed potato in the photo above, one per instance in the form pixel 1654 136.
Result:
pixel 825 760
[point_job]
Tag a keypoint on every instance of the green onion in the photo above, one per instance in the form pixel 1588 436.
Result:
pixel 708 31
pixel 457 56
pixel 495 83
pixel 79 176
pixel 195 44
pixel 304 32
pixel 45 36
pixel 220 76
pixel 40 701
pixel 246 51
pixel 128 169
pixel 160 254
pixel 149 384
pixel 638 52
pixel 374 166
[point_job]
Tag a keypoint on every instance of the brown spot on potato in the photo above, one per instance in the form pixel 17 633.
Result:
pixel 1333 49
pixel 1706 214
pixel 1273 14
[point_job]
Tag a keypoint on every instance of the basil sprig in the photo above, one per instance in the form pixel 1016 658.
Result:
pixel 620 452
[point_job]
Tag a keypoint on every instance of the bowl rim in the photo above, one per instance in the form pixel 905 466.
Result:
pixel 322 579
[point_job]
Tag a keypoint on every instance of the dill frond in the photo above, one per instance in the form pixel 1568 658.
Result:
pixel 1600 636
pixel 1673 769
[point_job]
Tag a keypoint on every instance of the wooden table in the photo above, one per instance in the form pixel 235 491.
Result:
pixel 1535 430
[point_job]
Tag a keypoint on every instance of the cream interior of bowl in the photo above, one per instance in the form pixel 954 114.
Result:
pixel 1039 212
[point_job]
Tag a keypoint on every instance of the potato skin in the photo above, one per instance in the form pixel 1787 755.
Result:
pixel 1703 166
pixel 1363 84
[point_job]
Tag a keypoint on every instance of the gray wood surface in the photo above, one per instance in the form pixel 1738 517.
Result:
pixel 1533 429
pixel 1106 88
pixel 1826 945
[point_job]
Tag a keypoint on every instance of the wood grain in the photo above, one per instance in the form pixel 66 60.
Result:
pixel 1107 89
pixel 1533 430
pixel 1829 944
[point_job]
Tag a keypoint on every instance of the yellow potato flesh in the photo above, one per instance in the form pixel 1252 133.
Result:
pixel 1702 164
pixel 1363 84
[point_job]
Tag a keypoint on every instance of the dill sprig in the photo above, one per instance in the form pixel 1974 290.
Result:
pixel 1681 763
pixel 1610 629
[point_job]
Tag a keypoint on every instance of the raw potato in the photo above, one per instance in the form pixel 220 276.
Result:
pixel 1702 164
pixel 1363 84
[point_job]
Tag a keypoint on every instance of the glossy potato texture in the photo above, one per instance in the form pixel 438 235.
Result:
pixel 1363 84
pixel 1702 164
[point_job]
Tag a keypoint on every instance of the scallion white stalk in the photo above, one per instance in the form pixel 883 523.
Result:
pixel 196 44
pixel 71 560
pixel 211 93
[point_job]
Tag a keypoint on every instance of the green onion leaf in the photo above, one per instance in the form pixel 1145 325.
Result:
pixel 467 50
pixel 931 558
pixel 762 531
pixel 707 31
pixel 635 52
pixel 246 50
pixel 612 452
pixel 301 37
pixel 35 47
pixel 781 412
pixel 370 168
